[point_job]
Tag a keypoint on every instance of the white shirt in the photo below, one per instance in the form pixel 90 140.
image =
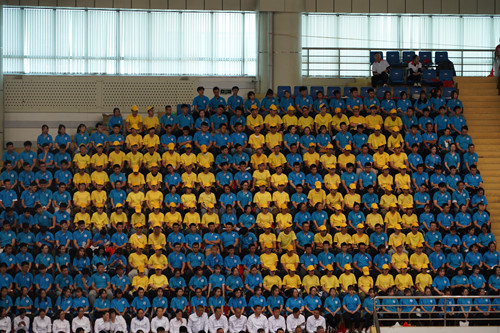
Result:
pixel 61 326
pixel 176 324
pixel 22 323
pixel 414 67
pixel 139 324
pixel 196 324
pixel 101 325
pixel 40 325
pixel 236 325
pixel 160 322
pixel 6 324
pixel 292 322
pixel 84 323
pixel 214 324
pixel 255 323
pixel 275 324
pixel 312 323
pixel 380 66
pixel 119 325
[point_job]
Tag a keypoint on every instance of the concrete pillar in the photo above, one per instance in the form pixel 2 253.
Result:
pixel 264 55
pixel 287 49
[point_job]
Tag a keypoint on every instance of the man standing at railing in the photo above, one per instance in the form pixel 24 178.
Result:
pixel 380 71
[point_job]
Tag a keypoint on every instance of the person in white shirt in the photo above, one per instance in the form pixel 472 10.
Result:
pixel 380 71
pixel 415 71
pixel 315 321
pixel 177 322
pixel 276 321
pixel 102 325
pixel 216 321
pixel 61 324
pixel 257 321
pixel 81 321
pixel 41 323
pixel 21 322
pixel 237 322
pixel 5 322
pixel 295 320
pixel 139 323
pixel 160 321
pixel 117 322
pixel 198 321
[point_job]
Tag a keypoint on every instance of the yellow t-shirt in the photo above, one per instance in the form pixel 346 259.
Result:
pixel 151 122
pixel 403 179
pixel 403 281
pixel 171 159
pixel 188 159
pixel 329 282
pixel 325 120
pixel 85 178
pixel 252 122
pixel 96 158
pixel 155 260
pixel 419 260
pixel 386 200
pixel 398 160
pixel 99 220
pixel 292 282
pixel 270 119
pixel 333 200
pixel 316 196
pixel 319 239
pixel 269 260
pixel 422 281
pixel 140 282
pixel 138 260
pixel 207 198
pixel 380 160
pixel 148 139
pixel 340 238
pixel 310 281
pixel 208 218
pixel 135 199
pixel 154 240
pixel 276 179
pixel 372 121
pixel 392 219
pixel 192 218
pixel 117 158
pixel 365 282
pixel 81 198
pixel 311 158
pixel 414 239
pixel 270 281
pixel 205 158
pixel 131 120
pixel 373 219
pixel 393 141
pixel 137 240
pixel 274 160
pixel 158 281
pixel 256 141
pixel 135 159
pixel 154 197
pixel 290 120
pixel 262 198
pixel 377 141
pixel 326 160
pixel 356 239
pixel 306 122
pixel 117 218
pixel 131 140
pixel 263 219
pixel 82 217
pixel 347 280
pixel 336 121
pixel 285 239
pixel 389 122
pixel 405 200
pixel 281 198
pixel 345 159
pixel 337 220
pixel 397 239
pixel 274 139
pixel 267 238
pixel 79 159
pixel 282 219
pixel 149 159
pixel 257 160
pixel 351 199
pixel 289 261
pixel 261 176
pixel 170 218
pixel 398 260
pixel 384 281
pixel 139 178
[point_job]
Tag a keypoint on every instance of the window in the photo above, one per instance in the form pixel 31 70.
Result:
pixel 340 45
pixel 121 42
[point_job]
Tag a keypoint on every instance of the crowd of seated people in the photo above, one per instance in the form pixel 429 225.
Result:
pixel 247 215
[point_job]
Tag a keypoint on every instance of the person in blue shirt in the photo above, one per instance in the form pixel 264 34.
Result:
pixel 141 302
pixel 252 280
pixel 237 301
pixel 483 306
pixel 217 100
pixel 201 102
pixel 234 100
pixel 491 257
pixel 333 309
pixel 10 155
pixel 303 100
pixel 351 306
pixel 387 103
pixel 198 281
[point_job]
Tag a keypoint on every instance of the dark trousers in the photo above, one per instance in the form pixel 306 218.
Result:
pixel 380 79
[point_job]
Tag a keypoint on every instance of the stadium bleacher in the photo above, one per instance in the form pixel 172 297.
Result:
pixel 289 202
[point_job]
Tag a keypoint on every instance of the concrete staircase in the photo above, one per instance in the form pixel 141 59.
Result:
pixel 481 101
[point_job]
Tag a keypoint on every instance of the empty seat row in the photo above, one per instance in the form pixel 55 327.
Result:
pixel 394 57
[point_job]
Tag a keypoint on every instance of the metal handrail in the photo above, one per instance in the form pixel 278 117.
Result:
pixel 377 308
pixel 315 64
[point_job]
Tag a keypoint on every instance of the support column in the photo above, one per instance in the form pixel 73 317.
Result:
pixel 287 49
pixel 264 55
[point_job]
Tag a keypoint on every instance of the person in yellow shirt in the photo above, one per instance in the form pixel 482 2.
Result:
pixel 279 178
pixel 134 157
pixel 398 159
pixel 138 239
pixel 204 157
pixel 272 279
pixel 347 278
pixel 385 281
pixel 262 197
pixel 82 158
pixel 316 195
pixel 329 281
pixel 209 217
pixel 346 158
pixel 171 157
pixel 206 177
pixel 133 119
pixel 151 139
pixel 399 258
pixel 267 237
pixel 291 281
pixel 334 198
pixel 261 176
pixel 118 216
pixel 284 217
pixel 192 217
pixel 276 158
pixel 322 236
pixel 338 219
pixel 140 280
pixel 418 259
pixel 151 120
pixel 397 237
pixel 355 120
pixel 157 237
pixel 99 157
pixel 268 259
pixel 158 280
pixel 365 283
pixel 392 218
pixel 100 219
pixel 138 217
pixel 329 162
pixel 258 158
pixel 188 197
pixel 423 280
pixel 273 118
pixel 310 280
pixel 206 197
pixel 402 179
pixel 286 237
pixel 290 119
pixel 264 218
pixel 387 199
pixel 376 139
pixel 360 236
pixel 403 280
pixel 393 121
pixel 352 198
pixel 134 138
pixel 274 137
pixel 154 198
pixel 323 119
pixel 290 259
pixel 305 121
pixel 394 139
pixel 151 157
pixel 414 237
pixel 340 118
pixel 380 159
pixel 136 260
pixel 374 217
pixel 254 120
pixel 374 119
pixel 311 157
pixel 409 218
pixel 81 196
pixel 342 237
pixel 99 196
pixel 135 198
pixel 173 216
pixel 188 158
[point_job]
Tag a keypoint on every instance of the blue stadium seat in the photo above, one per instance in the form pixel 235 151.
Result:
pixel 440 56
pixel 447 92
pixel 347 92
pixel 415 91
pixel 392 58
pixel 398 90
pixel 314 90
pixel 281 91
pixel 330 90
pixel 429 76
pixel 381 91
pixel 372 55
pixel 296 91
pixel 179 110
pixel 425 57
pixel 408 56
pixel 363 92
pixel 397 75
pixel 446 75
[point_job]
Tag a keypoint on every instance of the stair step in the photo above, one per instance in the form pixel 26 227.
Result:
pixel 475 85
pixel 465 93
pixel 479 104
pixel 476 98
pixel 475 79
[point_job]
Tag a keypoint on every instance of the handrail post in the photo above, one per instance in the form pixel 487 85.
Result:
pixel 308 61
pixel 375 315
pixel 445 308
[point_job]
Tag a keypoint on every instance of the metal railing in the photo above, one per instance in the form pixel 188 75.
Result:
pixel 444 315
pixel 355 62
